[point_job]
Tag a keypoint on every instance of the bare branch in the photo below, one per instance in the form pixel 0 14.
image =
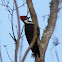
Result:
pixel 13 37
pixel 8 8
pixel 34 19
pixel 25 55
pixel 8 2
pixel 21 49
pixel 20 6
pixel 57 56
pixel 18 19
pixel 4 2
pixel 22 30
pixel 12 25
pixel 18 39
pixel 49 29
pixel 8 53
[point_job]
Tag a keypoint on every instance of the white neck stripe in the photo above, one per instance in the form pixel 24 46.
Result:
pixel 28 22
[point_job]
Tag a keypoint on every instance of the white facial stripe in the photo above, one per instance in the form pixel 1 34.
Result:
pixel 26 21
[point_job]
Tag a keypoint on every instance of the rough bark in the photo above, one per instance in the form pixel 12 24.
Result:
pixel 49 29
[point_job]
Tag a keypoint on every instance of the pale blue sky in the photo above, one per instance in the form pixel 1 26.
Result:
pixel 41 8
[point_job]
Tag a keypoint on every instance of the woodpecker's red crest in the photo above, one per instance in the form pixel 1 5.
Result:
pixel 23 17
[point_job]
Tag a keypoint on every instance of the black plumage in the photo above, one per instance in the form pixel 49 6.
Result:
pixel 29 31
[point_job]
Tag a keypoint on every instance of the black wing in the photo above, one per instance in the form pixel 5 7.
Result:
pixel 29 31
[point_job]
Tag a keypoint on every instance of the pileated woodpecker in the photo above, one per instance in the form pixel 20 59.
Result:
pixel 29 32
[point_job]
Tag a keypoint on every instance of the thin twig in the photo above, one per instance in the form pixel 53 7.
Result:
pixel 12 23
pixel 0 53
pixel 7 8
pixel 57 55
pixel 20 6
pixel 8 53
pixel 4 2
pixel 25 54
pixel 22 30
pixel 22 36
pixel 56 43
pixel 13 38
pixel 8 2
pixel 20 49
